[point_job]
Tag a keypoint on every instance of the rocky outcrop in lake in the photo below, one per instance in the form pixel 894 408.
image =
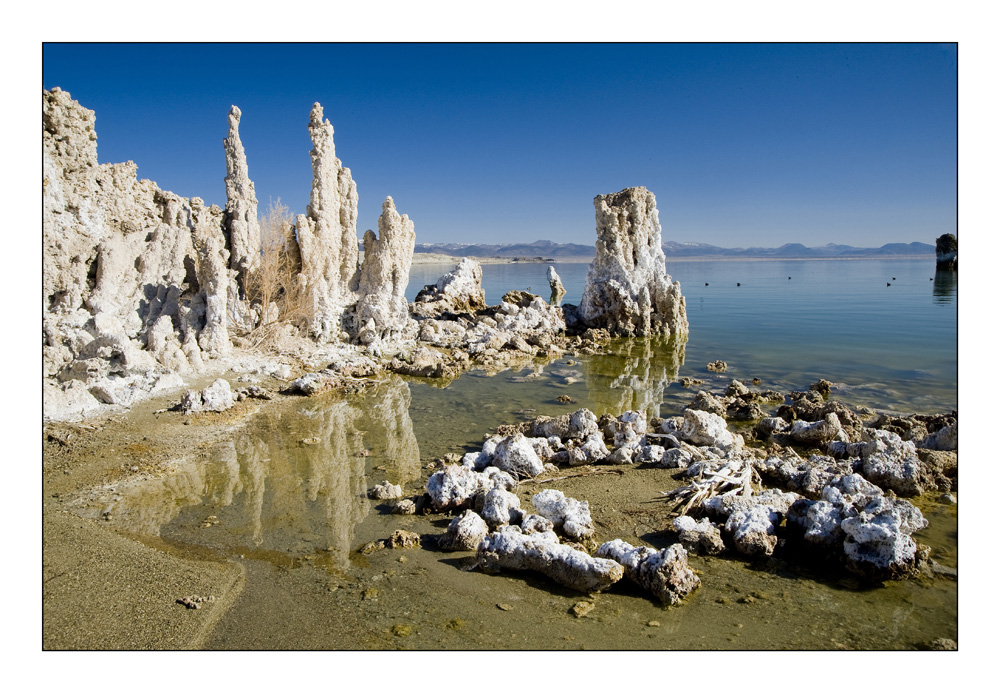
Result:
pixel 946 250
pixel 628 291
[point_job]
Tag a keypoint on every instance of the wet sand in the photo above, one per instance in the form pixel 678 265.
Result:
pixel 105 589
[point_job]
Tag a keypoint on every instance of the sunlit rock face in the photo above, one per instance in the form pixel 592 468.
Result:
pixel 382 312
pixel 241 222
pixel 458 291
pixel 135 278
pixel 628 290
pixel 327 235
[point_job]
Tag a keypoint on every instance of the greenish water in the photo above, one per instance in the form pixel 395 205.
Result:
pixel 286 497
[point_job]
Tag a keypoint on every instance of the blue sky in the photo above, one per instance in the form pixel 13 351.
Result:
pixel 743 144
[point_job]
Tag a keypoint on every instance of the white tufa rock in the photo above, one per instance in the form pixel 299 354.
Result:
pixel 135 279
pixel 501 507
pixel 705 429
pixel 628 290
pixel 566 514
pixel 216 397
pixel 511 549
pixel 458 291
pixel 465 532
pixel 240 222
pixel 891 462
pixel 515 454
pixel 665 573
pixel 382 312
pixel 327 235
pixel 555 283
pixel 385 491
pixel 456 486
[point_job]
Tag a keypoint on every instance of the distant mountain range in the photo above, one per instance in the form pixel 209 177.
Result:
pixel 797 250
pixel 548 249
pixel 536 249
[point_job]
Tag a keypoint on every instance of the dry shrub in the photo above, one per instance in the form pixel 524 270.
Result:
pixel 273 293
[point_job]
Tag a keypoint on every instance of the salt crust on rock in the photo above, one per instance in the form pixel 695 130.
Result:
pixel 702 536
pixel 665 573
pixel 465 532
pixel 501 507
pixel 456 486
pixel 567 514
pixel 628 290
pixel 511 549
pixel 873 530
pixel 458 291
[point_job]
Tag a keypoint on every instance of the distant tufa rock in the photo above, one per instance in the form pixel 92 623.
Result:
pixel 946 248
pixel 555 284
pixel 458 291
pixel 628 290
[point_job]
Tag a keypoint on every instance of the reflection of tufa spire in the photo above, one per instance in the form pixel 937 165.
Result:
pixel 635 375
pixel 291 483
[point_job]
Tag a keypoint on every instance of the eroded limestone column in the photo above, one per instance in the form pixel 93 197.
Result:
pixel 327 235
pixel 628 290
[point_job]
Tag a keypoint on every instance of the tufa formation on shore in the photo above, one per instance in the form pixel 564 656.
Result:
pixel 628 291
pixel 142 287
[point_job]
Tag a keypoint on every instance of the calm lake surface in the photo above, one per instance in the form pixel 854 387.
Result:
pixel 286 497
pixel 891 346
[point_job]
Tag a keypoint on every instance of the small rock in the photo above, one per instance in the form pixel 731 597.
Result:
pixel 401 539
pixel 717 366
pixel 581 609
pixel 504 607
pixel 401 631
pixel 942 644
pixel 369 593
pixel 385 491
pixel 653 624
pixel 948 499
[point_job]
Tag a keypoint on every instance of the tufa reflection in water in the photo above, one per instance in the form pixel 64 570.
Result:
pixel 634 374
pixel 293 481
pixel 945 285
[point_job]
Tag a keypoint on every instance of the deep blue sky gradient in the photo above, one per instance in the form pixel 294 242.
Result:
pixel 743 144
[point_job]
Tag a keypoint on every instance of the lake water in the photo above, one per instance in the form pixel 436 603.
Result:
pixel 792 322
pixel 286 496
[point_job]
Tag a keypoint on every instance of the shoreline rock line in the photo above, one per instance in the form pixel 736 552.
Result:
pixel 833 497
